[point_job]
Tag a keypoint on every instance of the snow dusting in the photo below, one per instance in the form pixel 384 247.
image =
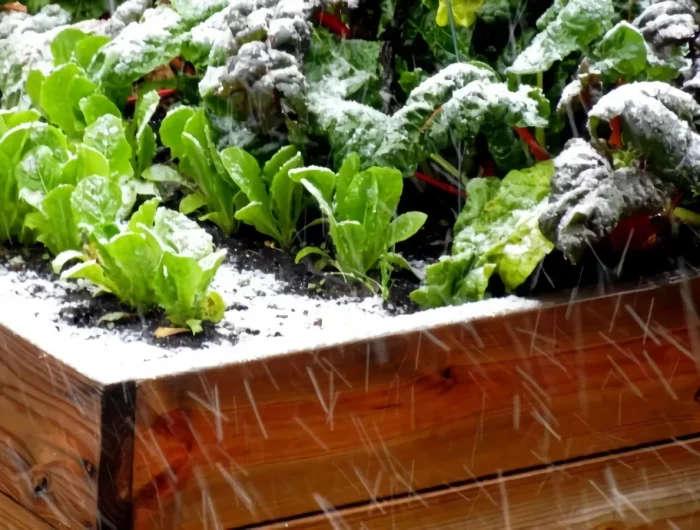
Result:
pixel 262 319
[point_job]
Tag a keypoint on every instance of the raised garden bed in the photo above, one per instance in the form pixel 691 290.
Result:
pixel 309 264
pixel 412 424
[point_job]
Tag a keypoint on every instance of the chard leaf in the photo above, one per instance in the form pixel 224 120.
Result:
pixel 621 53
pixel 588 198
pixel 569 27
pixel 138 49
pixel 496 232
pixel 658 121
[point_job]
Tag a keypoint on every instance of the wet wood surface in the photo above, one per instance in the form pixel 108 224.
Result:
pixel 15 517
pixel 651 488
pixel 49 436
pixel 294 435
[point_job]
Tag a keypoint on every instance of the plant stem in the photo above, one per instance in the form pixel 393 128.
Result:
pixel 444 164
pixel 539 132
pixel 686 216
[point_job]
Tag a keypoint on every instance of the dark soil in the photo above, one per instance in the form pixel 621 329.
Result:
pixel 248 250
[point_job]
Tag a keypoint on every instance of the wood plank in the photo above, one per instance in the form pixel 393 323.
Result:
pixel 257 442
pixel 49 435
pixel 644 489
pixel 15 517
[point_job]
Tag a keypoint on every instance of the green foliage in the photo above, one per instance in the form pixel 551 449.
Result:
pixel 496 233
pixel 139 49
pixel 188 135
pixel 623 53
pixel 161 259
pixel 567 27
pixel 359 207
pixel 269 199
pixel 347 68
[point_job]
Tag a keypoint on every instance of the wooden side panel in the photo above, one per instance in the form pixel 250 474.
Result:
pixel 15 517
pixel 291 435
pixel 49 435
pixel 647 489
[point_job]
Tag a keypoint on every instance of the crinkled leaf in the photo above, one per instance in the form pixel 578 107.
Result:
pixel 588 198
pixel 658 122
pixel 496 232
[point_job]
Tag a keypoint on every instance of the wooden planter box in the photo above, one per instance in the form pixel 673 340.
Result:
pixel 577 413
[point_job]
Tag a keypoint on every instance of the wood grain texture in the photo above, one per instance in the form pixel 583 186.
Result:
pixel 15 517
pixel 247 444
pixel 116 456
pixel 655 488
pixel 49 435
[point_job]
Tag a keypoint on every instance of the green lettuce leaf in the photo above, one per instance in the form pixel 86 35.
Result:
pixel 201 162
pixel 273 202
pixel 161 259
pixel 359 207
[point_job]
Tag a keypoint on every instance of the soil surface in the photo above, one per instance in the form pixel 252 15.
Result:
pixel 268 294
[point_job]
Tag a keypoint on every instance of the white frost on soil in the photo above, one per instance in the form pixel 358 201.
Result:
pixel 262 321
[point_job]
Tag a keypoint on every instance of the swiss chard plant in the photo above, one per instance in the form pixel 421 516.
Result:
pixel 360 208
pixel 269 199
pixel 496 233
pixel 160 259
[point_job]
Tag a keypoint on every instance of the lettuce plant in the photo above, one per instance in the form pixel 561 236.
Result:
pixel 359 207
pixel 188 134
pixel 33 152
pixel 269 200
pixel 160 259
